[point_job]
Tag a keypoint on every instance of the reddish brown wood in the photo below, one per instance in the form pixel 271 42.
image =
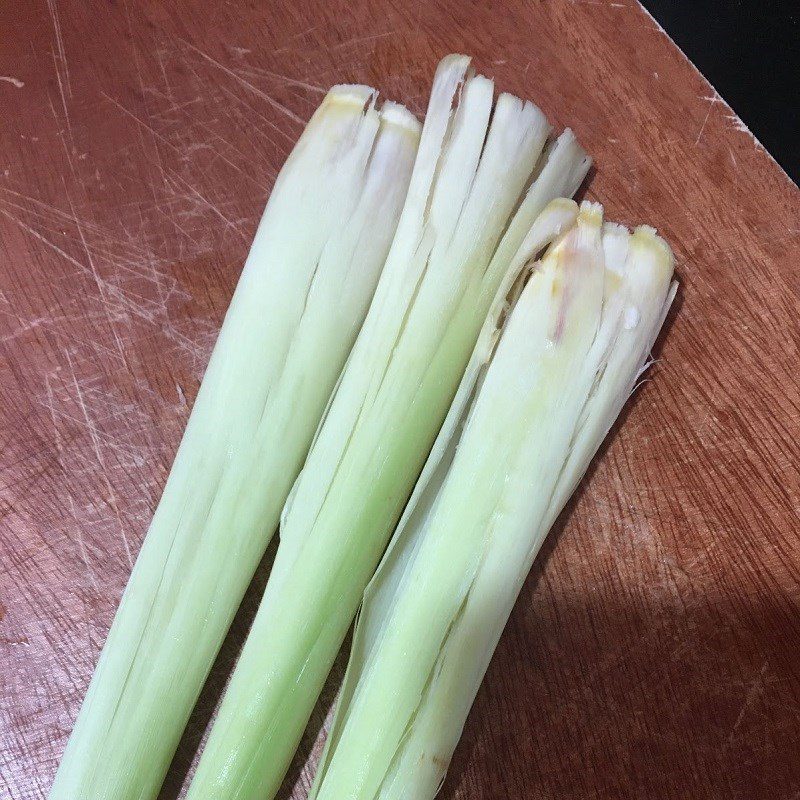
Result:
pixel 654 651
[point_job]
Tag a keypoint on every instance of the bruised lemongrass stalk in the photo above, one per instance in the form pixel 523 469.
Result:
pixel 296 311
pixel 453 248
pixel 532 410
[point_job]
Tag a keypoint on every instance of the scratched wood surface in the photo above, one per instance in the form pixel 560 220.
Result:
pixel 655 650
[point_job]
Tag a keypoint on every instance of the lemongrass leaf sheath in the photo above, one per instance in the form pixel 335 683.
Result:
pixel 455 245
pixel 298 306
pixel 541 392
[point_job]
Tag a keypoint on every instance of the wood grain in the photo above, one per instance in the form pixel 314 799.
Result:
pixel 654 652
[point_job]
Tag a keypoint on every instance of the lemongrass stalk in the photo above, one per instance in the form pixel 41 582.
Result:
pixel 454 246
pixel 533 411
pixel 293 318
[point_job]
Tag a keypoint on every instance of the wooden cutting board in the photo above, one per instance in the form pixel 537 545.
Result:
pixel 655 650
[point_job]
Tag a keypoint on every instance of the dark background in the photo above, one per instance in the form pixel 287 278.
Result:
pixel 749 52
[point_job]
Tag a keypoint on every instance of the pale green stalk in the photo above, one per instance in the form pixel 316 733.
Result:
pixel 532 412
pixel 296 311
pixel 453 248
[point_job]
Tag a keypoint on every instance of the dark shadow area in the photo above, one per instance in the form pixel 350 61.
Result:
pixel 584 190
pixel 633 699
pixel 750 54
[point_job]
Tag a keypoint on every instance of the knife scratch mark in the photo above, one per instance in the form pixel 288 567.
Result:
pixel 176 107
pixel 360 40
pixel 204 201
pixel 97 281
pixel 160 57
pixel 149 128
pixel 257 129
pixel 52 245
pixel 113 290
pixel 112 498
pixel 754 688
pixel 135 304
pixel 278 106
pixel 257 72
pixel 136 250
pixel 60 56
pixel 60 456
pixel 713 100
pixel 62 53
pixel 218 153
